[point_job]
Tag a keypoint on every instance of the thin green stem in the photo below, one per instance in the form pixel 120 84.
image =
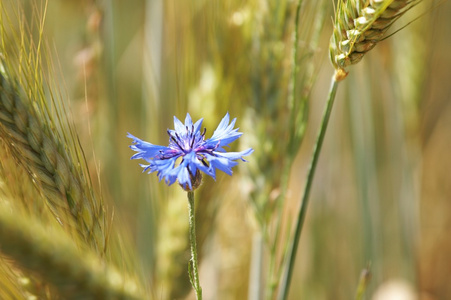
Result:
pixel 296 133
pixel 283 292
pixel 193 267
pixel 273 277
pixel 273 274
pixel 365 278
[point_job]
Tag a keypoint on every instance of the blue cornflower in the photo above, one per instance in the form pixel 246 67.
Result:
pixel 188 143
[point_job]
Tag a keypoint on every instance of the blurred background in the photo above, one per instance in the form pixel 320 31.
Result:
pixel 382 192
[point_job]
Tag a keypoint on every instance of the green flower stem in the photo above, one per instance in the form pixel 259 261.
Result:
pixel 193 266
pixel 283 292
pixel 365 278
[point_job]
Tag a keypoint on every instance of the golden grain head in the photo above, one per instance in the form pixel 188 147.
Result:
pixel 359 25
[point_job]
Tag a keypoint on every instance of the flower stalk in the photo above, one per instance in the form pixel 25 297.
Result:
pixel 358 27
pixel 283 294
pixel 193 268
pixel 187 155
pixel 365 277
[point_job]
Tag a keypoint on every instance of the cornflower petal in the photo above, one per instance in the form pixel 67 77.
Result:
pixel 224 134
pixel 235 155
pixel 188 121
pixel 145 150
pixel 197 125
pixel 221 163
pixel 224 161
pixel 181 173
pixel 178 125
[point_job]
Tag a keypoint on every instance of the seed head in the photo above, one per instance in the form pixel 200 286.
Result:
pixel 359 25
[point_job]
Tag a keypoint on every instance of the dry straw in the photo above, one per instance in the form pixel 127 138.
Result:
pixel 359 25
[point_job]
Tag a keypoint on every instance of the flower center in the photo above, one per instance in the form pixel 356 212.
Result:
pixel 187 141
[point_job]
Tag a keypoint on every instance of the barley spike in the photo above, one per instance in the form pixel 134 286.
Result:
pixel 44 155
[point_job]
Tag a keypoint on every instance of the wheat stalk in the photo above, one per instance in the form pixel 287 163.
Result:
pixel 359 25
pixel 48 253
pixel 45 156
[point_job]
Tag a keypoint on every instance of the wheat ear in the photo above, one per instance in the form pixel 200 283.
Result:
pixel 359 25
pixel 49 254
pixel 36 145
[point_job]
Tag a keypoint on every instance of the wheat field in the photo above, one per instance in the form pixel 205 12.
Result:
pixel 80 220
